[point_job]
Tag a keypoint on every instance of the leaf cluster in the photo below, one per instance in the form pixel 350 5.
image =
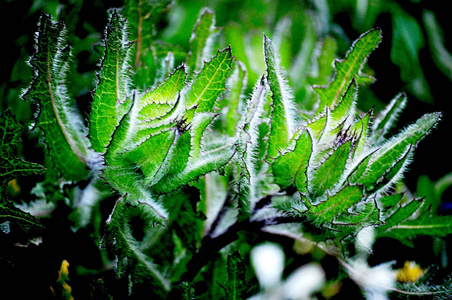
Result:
pixel 197 167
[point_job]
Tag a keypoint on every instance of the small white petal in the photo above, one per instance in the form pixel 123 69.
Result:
pixel 268 262
pixel 365 239
pixel 304 281
pixel 375 281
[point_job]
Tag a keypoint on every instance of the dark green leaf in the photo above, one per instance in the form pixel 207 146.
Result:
pixel 61 123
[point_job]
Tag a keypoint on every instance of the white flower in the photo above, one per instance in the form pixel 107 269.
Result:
pixel 268 262
pixel 365 239
pixel 375 281
pixel 304 281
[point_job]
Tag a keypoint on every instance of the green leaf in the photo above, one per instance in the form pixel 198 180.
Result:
pixel 407 42
pixel 199 125
pixel 132 162
pixel 392 151
pixel 413 219
pixel 318 126
pixel 150 63
pixel 360 130
pixel 151 113
pixel 282 124
pixel 328 174
pixel 201 40
pixel 181 154
pixel 237 284
pixel 439 226
pixel 348 224
pixel 325 68
pixel 110 101
pixel 233 33
pixel 16 225
pixel 393 174
pixel 441 56
pixel 151 154
pixel 12 166
pixel 348 68
pixel 335 123
pixel 142 18
pixel 385 119
pixel 365 213
pixel 237 84
pixel 405 221
pixel 158 102
pixel 57 117
pixel 209 83
pixel 327 211
pixel 244 188
pixel 208 161
pixel 185 158
pixel 129 248
pixel 290 168
pixel 346 107
pixel 360 167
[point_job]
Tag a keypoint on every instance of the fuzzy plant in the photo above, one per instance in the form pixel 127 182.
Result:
pixel 196 165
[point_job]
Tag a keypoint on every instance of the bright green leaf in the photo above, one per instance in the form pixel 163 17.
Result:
pixel 282 124
pixel 348 68
pixel 111 101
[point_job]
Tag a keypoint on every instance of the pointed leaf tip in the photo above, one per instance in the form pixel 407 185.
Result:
pixel 350 67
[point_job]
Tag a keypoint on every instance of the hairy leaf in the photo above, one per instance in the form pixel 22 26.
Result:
pixel 209 161
pixel 16 225
pixel 405 221
pixel 209 83
pixel 345 109
pixel 348 68
pixel 360 129
pixel 129 247
pixel 236 84
pixel 392 151
pixel 326 211
pixel 282 124
pixel 142 17
pixel 12 166
pixel 57 117
pixel 110 101
pixel 247 149
pixel 386 118
pixel 201 40
pixel 326 177
pixel 290 168
pixel 409 221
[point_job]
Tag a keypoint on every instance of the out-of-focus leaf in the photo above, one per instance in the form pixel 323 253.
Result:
pixel 201 40
pixel 11 166
pixel 440 55
pixel 407 41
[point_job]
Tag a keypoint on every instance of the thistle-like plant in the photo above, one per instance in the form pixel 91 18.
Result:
pixel 192 167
